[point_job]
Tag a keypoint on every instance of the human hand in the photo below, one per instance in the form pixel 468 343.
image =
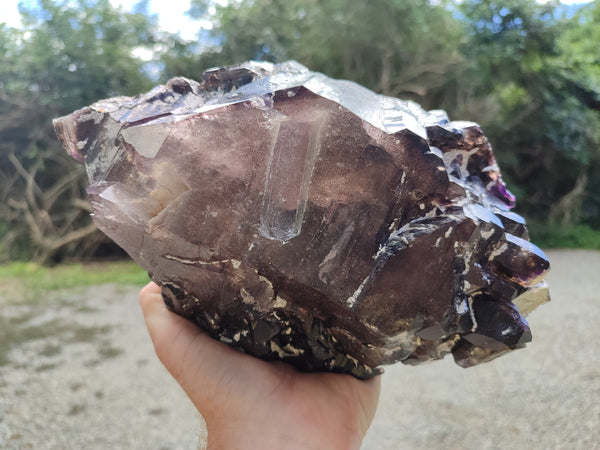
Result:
pixel 253 404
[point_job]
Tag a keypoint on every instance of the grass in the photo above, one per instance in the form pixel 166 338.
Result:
pixel 561 236
pixel 41 278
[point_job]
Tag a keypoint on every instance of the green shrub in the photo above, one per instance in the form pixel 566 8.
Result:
pixel 564 236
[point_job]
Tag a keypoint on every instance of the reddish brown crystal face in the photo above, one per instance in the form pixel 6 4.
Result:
pixel 310 220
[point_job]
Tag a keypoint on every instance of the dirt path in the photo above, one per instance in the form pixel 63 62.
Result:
pixel 93 381
pixel 80 372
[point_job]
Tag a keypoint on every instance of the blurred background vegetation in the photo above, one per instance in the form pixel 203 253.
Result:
pixel 529 73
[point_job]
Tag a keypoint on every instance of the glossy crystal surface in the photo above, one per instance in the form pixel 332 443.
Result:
pixel 308 219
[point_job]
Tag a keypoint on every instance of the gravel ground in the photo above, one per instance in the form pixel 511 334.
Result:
pixel 80 372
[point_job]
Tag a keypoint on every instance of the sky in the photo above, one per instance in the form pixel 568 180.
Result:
pixel 171 14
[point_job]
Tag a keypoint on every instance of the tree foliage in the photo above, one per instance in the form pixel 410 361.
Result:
pixel 392 46
pixel 538 74
pixel 66 56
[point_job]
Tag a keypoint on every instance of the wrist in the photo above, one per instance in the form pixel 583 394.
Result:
pixel 269 437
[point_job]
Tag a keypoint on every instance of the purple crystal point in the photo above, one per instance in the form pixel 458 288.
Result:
pixel 499 190
pixel 311 220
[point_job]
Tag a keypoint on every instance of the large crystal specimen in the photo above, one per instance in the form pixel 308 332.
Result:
pixel 308 219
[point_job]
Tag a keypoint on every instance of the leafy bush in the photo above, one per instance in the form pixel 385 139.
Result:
pixel 564 236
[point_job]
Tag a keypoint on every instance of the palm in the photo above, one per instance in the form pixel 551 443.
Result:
pixel 239 395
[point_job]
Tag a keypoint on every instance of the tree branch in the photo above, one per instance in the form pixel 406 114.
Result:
pixel 29 178
pixel 565 210
pixel 50 197
pixel 73 236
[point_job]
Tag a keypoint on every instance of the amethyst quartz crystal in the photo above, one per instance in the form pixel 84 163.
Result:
pixel 311 220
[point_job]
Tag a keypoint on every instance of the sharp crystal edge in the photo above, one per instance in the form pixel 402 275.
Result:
pixel 311 220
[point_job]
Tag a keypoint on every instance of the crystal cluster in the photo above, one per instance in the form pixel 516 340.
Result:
pixel 311 220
